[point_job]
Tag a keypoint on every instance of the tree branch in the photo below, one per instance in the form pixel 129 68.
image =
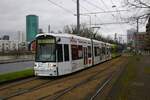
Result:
pixel 139 5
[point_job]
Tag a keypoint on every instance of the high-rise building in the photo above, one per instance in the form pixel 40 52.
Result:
pixel 32 25
pixel 20 37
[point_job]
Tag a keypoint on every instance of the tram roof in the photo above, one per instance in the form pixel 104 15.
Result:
pixel 66 35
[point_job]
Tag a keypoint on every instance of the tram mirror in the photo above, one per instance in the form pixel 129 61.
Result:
pixel 58 39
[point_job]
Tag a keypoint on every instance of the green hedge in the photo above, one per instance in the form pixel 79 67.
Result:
pixel 15 75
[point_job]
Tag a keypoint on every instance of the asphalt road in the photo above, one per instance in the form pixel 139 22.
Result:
pixel 11 67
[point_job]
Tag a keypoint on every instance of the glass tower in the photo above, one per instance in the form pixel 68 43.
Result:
pixel 32 26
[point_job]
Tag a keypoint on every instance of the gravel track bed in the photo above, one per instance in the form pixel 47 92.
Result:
pixel 86 87
pixel 52 87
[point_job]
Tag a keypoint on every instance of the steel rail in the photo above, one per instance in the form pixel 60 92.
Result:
pixel 102 87
pixel 24 90
pixel 66 90
pixel 18 83
pixel 45 84
pixel 106 82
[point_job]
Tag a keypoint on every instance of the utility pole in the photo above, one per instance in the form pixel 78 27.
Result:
pixel 116 37
pixel 137 21
pixel 49 28
pixel 94 35
pixel 78 18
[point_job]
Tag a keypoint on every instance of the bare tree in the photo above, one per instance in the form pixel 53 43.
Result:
pixel 145 6
pixel 84 30
pixel 137 3
pixel 87 32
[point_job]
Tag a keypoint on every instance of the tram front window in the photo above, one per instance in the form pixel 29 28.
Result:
pixel 45 51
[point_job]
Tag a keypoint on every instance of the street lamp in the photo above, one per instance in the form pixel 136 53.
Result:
pixel 96 31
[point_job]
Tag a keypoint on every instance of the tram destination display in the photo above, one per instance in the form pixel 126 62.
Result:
pixel 41 41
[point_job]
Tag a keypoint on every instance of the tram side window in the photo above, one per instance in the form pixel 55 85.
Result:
pixel 74 52
pixel 103 50
pixel 66 52
pixel 97 52
pixel 108 50
pixel 89 51
pixel 59 53
pixel 80 52
pixel 100 51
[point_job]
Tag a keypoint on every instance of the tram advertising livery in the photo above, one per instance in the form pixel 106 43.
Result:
pixel 60 54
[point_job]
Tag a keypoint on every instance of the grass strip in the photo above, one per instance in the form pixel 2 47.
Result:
pixel 15 75
pixel 122 87
pixel 114 55
pixel 147 70
pixel 127 79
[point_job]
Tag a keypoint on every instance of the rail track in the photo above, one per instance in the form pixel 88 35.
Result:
pixel 108 79
pixel 105 84
pixel 68 89
pixel 17 83
pixel 20 89
pixel 48 83
pixel 65 91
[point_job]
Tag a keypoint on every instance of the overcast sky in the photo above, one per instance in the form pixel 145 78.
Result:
pixel 13 14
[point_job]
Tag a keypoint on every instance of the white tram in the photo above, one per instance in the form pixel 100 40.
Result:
pixel 60 54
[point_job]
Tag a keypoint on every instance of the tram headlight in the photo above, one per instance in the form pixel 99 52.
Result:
pixel 35 65
pixel 54 65
pixel 51 65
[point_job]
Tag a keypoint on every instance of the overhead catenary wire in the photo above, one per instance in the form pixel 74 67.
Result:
pixel 119 14
pixel 65 9
pixel 104 4
pixel 82 6
pixel 98 18
pixel 84 9
pixel 107 7
pixel 94 5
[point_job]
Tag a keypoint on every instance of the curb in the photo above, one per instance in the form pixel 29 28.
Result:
pixel 14 61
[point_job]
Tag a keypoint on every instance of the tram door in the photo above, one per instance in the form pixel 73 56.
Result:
pixel 85 55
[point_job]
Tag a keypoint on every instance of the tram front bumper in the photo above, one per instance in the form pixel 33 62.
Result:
pixel 45 72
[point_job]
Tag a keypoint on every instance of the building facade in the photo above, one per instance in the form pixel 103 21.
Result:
pixel 7 46
pixel 136 41
pixel 147 40
pixel 130 35
pixel 11 46
pixel 140 40
pixel 131 38
pixel 32 26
